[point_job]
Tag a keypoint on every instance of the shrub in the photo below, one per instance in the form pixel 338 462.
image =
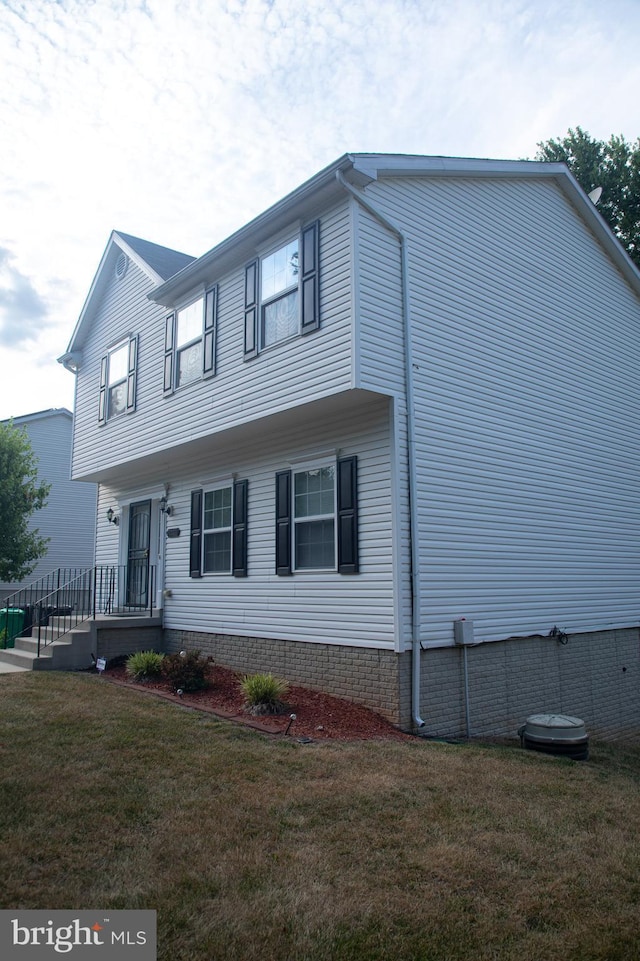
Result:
pixel 3 637
pixel 264 693
pixel 144 665
pixel 186 671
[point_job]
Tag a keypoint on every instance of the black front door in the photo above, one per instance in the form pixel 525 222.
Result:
pixel 138 554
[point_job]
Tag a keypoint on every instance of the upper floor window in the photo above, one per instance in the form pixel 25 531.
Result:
pixel 190 342
pixel 189 331
pixel 279 294
pixel 117 393
pixel 282 296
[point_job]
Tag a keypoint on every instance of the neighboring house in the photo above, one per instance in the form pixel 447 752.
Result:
pixel 397 410
pixel 69 517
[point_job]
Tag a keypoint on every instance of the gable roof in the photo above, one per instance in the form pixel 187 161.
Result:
pixel 158 263
pixel 361 169
pixel 162 260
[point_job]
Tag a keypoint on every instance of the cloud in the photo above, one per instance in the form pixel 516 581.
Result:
pixel 22 309
pixel 181 121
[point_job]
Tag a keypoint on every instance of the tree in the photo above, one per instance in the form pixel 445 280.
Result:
pixel 613 165
pixel 21 495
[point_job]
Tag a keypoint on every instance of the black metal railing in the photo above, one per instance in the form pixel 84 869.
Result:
pixel 62 599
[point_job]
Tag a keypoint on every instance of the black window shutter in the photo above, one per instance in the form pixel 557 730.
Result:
pixel 210 323
pixel 240 505
pixel 131 374
pixel 348 515
pixel 102 401
pixel 283 522
pixel 169 333
pixel 251 309
pixel 195 546
pixel 310 295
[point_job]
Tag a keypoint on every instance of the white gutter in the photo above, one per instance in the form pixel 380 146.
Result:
pixel 413 510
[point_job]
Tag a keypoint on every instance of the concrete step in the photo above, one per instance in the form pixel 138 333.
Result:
pixel 26 660
pixel 6 668
pixel 72 652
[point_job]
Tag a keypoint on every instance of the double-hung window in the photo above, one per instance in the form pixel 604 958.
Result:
pixel 219 530
pixel 279 294
pixel 314 518
pixel 317 518
pixel 216 531
pixel 117 393
pixel 282 295
pixel 190 342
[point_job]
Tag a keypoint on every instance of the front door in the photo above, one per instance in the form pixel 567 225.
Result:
pixel 138 554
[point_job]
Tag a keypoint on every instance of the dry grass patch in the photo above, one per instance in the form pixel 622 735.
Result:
pixel 255 848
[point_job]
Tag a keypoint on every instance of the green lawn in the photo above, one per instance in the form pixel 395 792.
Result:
pixel 254 848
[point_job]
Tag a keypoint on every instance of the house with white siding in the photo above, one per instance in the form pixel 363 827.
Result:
pixel 68 519
pixel 383 441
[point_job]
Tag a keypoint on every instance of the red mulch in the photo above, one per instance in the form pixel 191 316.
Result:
pixel 318 716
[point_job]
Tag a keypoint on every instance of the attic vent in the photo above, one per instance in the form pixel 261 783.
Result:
pixel 121 266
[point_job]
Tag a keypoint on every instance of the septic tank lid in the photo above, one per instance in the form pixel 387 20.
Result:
pixel 552 726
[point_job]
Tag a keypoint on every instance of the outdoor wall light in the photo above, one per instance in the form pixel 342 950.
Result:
pixel 112 517
pixel 164 507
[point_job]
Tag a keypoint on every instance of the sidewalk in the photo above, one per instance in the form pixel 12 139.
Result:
pixel 11 668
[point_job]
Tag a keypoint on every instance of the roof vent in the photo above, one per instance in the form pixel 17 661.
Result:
pixel 121 266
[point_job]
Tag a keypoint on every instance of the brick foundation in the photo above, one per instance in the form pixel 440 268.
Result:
pixel 357 674
pixel 594 676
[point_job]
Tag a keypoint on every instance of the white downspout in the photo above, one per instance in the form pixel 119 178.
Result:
pixel 413 510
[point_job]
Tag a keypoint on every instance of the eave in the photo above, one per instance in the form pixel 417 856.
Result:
pixel 361 169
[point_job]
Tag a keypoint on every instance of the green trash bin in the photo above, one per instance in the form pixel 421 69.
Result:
pixel 11 625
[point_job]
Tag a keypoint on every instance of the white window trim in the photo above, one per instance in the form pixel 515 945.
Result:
pixel 211 489
pixel 285 238
pixel 302 467
pixel 177 349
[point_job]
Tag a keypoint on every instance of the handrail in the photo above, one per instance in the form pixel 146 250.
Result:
pixel 71 600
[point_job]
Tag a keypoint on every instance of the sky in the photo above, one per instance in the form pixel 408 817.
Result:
pixel 178 121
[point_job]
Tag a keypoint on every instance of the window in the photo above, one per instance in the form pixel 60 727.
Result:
pixel 219 530
pixel 317 518
pixel 282 292
pixel 314 510
pixel 190 342
pixel 279 294
pixel 216 532
pixel 118 380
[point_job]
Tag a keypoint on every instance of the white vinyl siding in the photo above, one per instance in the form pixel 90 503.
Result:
pixel 320 606
pixel 287 375
pixel 526 357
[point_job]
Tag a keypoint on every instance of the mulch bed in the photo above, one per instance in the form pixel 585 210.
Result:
pixel 318 716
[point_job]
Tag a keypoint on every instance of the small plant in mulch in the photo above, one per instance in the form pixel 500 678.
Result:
pixel 264 693
pixel 186 671
pixel 144 665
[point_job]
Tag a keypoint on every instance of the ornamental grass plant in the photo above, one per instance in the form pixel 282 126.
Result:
pixel 144 665
pixel 264 693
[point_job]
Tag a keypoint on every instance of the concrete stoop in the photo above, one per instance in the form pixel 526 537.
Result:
pixel 72 652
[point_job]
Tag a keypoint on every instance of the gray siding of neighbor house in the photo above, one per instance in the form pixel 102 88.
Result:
pixel 526 353
pixel 286 375
pixel 68 518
